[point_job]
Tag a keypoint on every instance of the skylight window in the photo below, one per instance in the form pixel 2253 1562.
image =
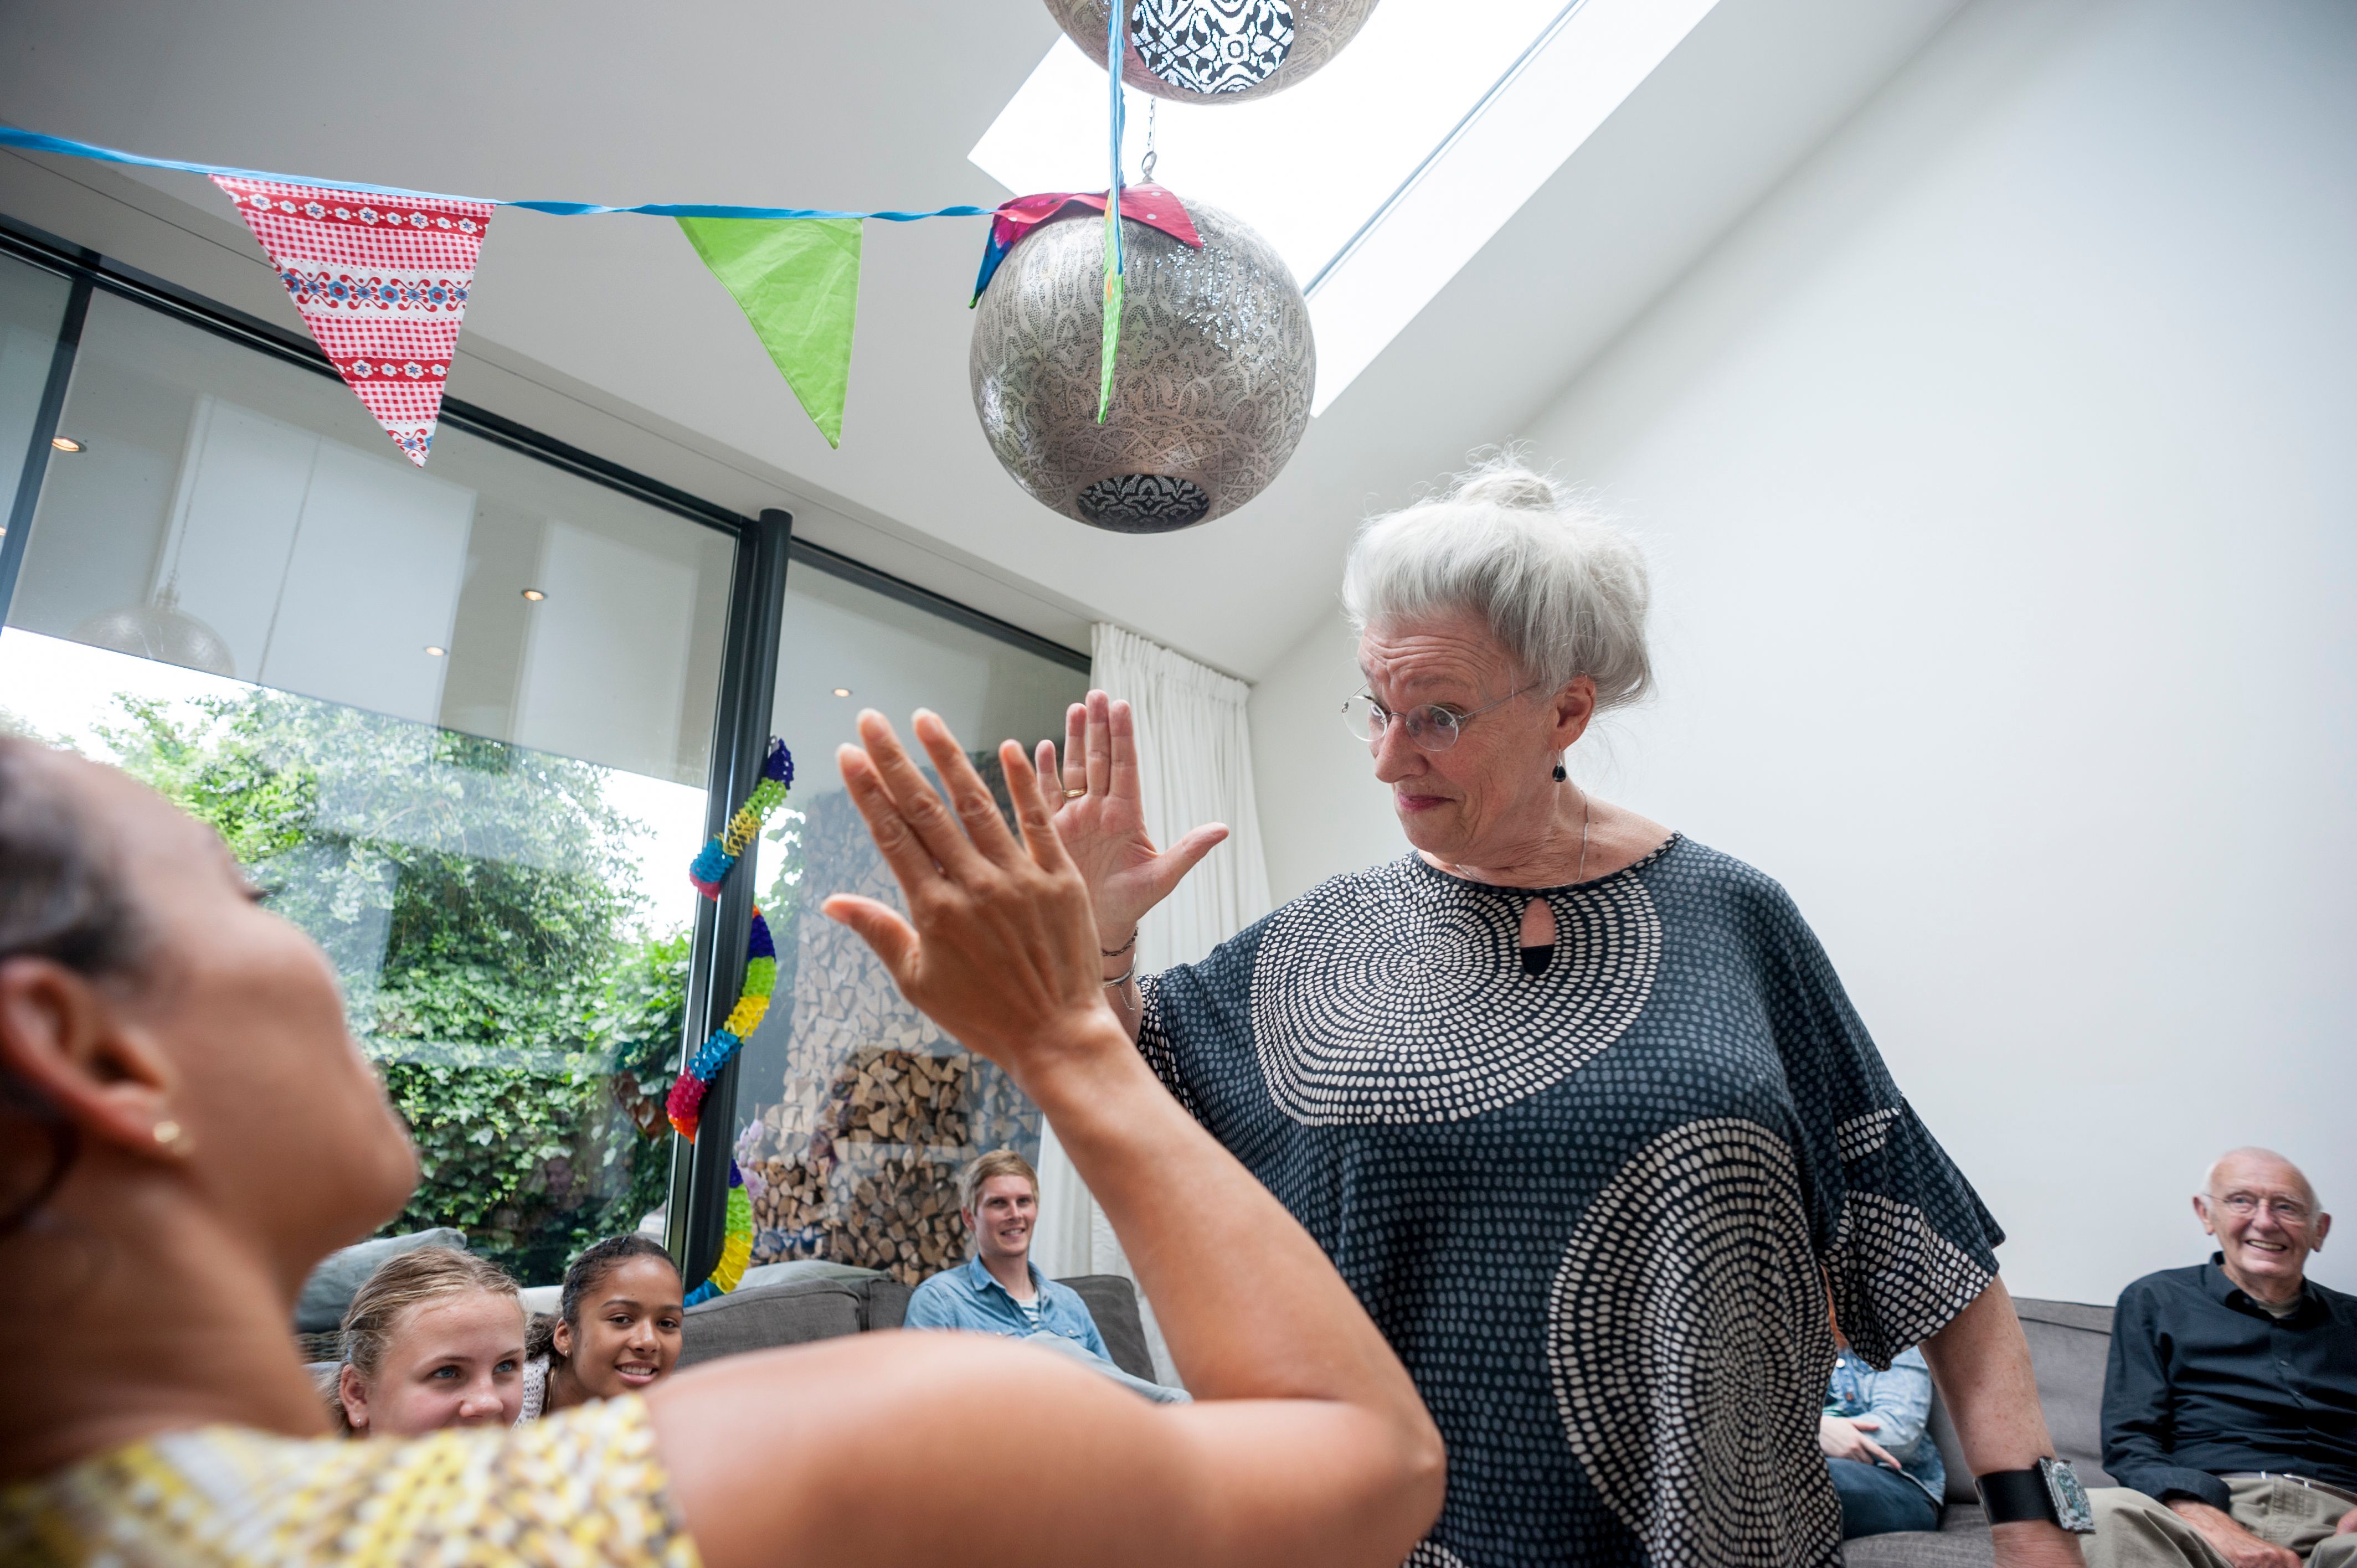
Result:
pixel 1387 171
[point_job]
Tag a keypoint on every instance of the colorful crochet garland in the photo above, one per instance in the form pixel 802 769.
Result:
pixel 685 1102
pixel 711 867
pixel 712 863
pixel 737 1244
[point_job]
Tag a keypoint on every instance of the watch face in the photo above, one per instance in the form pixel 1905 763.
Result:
pixel 2071 1510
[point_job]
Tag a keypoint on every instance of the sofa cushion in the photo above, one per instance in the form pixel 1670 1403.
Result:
pixel 765 1315
pixel 1962 1542
pixel 2071 1345
pixel 887 1304
pixel 1113 1302
pixel 331 1285
pixel 794 1271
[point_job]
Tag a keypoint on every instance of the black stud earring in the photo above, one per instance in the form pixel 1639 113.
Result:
pixel 1558 773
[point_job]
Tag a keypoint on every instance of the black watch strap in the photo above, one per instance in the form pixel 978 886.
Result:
pixel 2011 1496
pixel 2049 1491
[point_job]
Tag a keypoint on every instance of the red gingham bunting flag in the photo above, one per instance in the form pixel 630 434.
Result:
pixel 381 281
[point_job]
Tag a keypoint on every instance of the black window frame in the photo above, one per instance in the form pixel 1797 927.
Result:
pixel 765 548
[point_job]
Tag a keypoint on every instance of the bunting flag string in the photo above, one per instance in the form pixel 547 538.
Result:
pixel 1115 260
pixel 35 142
pixel 382 274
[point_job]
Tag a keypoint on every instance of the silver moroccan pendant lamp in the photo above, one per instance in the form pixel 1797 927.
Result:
pixel 1210 389
pixel 1216 51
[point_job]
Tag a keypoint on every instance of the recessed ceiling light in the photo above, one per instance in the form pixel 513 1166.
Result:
pixel 534 595
pixel 842 690
pixel 65 444
pixel 433 652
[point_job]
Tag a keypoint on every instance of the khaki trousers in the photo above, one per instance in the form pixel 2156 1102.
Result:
pixel 2131 1531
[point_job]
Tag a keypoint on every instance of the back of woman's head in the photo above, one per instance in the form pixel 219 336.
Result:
pixel 221 1013
pixel 1563 591
pixel 63 895
pixel 421 1277
pixel 62 898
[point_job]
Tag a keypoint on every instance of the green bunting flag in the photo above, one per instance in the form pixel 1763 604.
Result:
pixel 798 282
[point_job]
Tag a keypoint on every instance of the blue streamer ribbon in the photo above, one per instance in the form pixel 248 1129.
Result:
pixel 66 146
pixel 1113 117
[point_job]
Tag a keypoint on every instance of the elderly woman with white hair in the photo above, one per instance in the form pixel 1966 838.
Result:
pixel 1577 1105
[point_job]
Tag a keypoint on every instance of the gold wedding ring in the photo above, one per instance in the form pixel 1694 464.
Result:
pixel 1074 794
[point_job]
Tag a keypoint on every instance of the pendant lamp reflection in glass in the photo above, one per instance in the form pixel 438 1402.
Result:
pixel 1216 51
pixel 160 630
pixel 1210 389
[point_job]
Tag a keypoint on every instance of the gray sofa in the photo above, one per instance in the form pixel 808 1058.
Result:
pixel 2069 1344
pixel 856 1301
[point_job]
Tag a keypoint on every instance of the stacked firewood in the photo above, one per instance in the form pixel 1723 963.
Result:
pixel 894 1210
pixel 876 1182
pixel 856 1158
pixel 890 1096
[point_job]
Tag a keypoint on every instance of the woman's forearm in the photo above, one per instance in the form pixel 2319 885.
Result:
pixel 1981 1363
pixel 1188 1215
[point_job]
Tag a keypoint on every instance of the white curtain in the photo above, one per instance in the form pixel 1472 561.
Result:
pixel 1194 764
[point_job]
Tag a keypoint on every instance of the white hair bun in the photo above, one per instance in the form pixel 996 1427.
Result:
pixel 1507 483
pixel 1562 590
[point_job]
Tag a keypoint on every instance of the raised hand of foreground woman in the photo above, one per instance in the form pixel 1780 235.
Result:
pixel 1308 1443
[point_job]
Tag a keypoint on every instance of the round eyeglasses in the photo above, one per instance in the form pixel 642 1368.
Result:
pixel 1430 727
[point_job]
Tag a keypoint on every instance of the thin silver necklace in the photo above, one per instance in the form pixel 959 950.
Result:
pixel 1586 810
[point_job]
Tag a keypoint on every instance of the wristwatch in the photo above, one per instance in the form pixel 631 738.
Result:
pixel 2048 1490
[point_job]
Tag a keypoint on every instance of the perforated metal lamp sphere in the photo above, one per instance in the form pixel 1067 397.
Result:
pixel 1211 387
pixel 1216 51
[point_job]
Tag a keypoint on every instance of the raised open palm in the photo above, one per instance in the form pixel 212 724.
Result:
pixel 1102 824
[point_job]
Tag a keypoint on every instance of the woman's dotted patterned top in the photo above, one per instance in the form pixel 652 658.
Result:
pixel 583 1488
pixel 1595 1209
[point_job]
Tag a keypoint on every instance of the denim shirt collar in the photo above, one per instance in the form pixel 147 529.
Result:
pixel 979 1276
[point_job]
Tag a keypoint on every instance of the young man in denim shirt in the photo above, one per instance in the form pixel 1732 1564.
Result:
pixel 1878 1445
pixel 999 1290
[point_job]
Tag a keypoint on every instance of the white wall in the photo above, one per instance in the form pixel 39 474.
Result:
pixel 2000 475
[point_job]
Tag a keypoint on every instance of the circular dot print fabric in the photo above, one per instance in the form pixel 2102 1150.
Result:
pixel 1592 1209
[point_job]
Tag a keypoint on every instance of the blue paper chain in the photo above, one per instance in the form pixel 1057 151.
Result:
pixel 35 142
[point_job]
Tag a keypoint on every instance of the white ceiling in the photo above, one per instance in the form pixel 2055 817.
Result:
pixel 608 331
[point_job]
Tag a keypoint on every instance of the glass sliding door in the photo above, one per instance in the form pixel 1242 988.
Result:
pixel 853 1113
pixel 457 721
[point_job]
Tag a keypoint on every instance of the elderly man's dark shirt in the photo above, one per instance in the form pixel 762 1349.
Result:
pixel 2206 1383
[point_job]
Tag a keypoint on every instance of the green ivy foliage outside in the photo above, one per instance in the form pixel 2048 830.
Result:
pixel 479 904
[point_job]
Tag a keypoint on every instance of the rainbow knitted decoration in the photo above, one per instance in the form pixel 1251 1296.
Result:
pixel 736 1246
pixel 713 863
pixel 685 1102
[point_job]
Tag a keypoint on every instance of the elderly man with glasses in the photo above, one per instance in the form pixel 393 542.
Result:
pixel 2230 1407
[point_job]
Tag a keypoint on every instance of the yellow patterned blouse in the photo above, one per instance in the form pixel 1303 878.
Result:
pixel 583 1488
